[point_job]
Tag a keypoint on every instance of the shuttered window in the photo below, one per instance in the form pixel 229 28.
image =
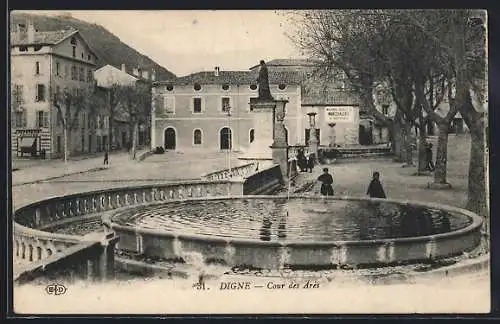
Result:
pixel 169 105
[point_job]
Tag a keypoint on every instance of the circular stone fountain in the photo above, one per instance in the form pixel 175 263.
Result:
pixel 274 232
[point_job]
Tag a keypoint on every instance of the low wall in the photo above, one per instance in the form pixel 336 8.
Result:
pixel 277 254
pixel 265 181
pixel 33 242
pixel 88 260
pixel 240 171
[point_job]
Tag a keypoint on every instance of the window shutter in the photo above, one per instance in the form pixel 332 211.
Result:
pixel 168 104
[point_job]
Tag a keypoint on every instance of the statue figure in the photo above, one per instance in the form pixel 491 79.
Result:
pixel 263 81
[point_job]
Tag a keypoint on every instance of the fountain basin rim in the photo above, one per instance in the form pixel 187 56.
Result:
pixel 20 229
pixel 477 222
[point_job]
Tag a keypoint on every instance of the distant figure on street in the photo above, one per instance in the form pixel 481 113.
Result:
pixel 106 157
pixel 301 161
pixel 310 162
pixel 428 155
pixel 375 189
pixel 326 180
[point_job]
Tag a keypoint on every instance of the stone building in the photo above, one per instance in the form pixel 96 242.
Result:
pixel 210 111
pixel 42 65
pixel 341 119
pixel 190 112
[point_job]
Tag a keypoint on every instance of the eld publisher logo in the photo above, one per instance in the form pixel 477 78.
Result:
pixel 56 289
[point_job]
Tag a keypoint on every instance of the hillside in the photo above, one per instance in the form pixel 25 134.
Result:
pixel 106 45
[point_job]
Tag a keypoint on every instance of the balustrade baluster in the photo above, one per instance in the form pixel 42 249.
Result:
pixel 38 218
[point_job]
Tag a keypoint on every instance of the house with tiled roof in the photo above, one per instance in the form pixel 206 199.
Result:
pixel 210 110
pixel 43 65
pixel 191 112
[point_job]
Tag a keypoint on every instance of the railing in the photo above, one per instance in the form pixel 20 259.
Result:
pixel 33 242
pixel 264 181
pixel 240 171
pixel 88 260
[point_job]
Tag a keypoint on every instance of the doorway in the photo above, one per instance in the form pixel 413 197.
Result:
pixel 170 139
pixel 365 135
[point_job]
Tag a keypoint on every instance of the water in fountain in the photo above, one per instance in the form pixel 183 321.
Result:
pixel 293 219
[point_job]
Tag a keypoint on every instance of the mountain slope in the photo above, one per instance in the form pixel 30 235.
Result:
pixel 105 44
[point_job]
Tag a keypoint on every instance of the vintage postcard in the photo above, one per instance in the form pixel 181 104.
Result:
pixel 249 162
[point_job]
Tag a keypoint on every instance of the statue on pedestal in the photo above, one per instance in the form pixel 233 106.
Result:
pixel 263 81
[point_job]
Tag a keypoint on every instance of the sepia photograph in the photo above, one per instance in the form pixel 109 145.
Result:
pixel 185 162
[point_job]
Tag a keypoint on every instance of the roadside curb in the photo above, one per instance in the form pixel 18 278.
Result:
pixel 60 176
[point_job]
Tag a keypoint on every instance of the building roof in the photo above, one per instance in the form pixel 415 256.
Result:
pixel 42 38
pixel 289 62
pixel 109 75
pixel 235 77
pixel 330 97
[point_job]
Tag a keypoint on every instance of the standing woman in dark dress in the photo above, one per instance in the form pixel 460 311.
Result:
pixel 326 180
pixel 375 189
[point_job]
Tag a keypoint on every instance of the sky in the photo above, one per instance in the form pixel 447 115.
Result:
pixel 198 40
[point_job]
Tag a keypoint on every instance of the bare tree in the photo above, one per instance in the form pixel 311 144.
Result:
pixel 69 104
pixel 135 104
pixel 411 49
pixel 460 37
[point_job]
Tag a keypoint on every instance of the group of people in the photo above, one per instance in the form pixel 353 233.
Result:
pixel 375 189
pixel 305 162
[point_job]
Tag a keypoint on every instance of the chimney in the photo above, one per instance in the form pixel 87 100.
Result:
pixel 216 71
pixel 31 32
pixel 124 68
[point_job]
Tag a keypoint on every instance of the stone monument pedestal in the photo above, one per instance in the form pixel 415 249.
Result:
pixel 263 121
pixel 270 140
pixel 280 142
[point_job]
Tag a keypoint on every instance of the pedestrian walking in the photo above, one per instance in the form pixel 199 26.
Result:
pixel 375 189
pixel 106 158
pixel 326 181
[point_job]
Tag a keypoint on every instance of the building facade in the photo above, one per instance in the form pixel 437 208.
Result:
pixel 43 65
pixel 210 111
pixel 189 112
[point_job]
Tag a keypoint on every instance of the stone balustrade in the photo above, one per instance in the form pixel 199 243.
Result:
pixel 242 171
pixel 264 181
pixel 32 223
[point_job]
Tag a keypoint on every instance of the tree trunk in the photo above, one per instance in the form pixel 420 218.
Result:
pixel 408 143
pixel 422 152
pixel 441 153
pixel 477 173
pixel 110 133
pixel 110 123
pixel 134 140
pixel 397 136
pixel 65 135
